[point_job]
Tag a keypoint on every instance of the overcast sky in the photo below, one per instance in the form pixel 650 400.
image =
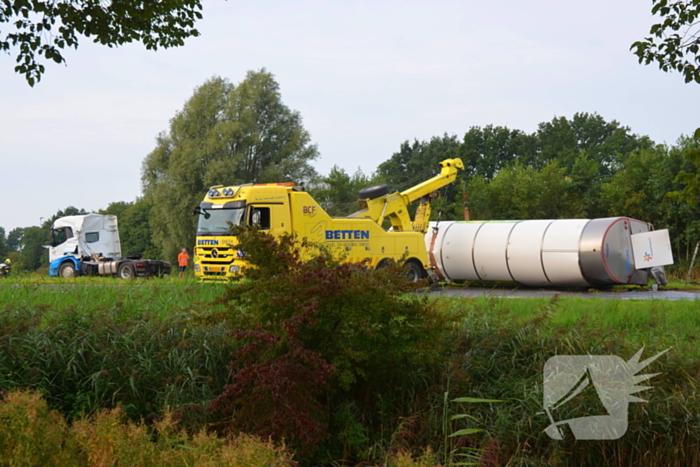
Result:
pixel 364 75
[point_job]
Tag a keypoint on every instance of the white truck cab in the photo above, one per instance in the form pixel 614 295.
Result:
pixel 78 236
pixel 89 245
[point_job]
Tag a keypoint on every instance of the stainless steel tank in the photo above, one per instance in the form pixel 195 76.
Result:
pixel 563 252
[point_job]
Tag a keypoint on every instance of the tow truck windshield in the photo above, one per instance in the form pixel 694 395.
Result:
pixel 216 221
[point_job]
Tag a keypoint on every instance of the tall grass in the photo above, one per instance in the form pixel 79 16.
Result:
pixel 147 346
pixel 507 342
pixel 88 347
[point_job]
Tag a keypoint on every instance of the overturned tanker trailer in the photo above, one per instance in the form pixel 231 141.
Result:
pixel 550 253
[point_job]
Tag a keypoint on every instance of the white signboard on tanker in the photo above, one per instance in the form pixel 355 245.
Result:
pixel 651 249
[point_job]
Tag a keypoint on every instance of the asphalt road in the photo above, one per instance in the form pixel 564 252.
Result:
pixel 624 294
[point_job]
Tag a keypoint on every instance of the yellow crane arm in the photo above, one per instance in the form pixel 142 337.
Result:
pixel 395 205
pixel 447 175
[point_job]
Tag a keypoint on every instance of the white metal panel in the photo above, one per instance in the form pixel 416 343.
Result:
pixel 74 222
pixel 490 251
pixel 93 222
pixel 456 251
pixel 524 252
pixel 562 268
pixel 105 226
pixel 560 252
pixel 564 235
pixel 652 249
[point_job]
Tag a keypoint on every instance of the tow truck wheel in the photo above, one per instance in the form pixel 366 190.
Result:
pixel 414 271
pixel 374 191
pixel 66 270
pixel 126 271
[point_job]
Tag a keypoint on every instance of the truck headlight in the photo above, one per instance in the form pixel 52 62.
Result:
pixel 197 268
pixel 234 269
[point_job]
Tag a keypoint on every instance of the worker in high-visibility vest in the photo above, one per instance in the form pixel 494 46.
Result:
pixel 182 260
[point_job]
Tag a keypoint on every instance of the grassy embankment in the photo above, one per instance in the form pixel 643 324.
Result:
pixel 141 345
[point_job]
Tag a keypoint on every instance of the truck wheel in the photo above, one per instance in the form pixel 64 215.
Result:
pixel 414 271
pixel 66 270
pixel 126 271
pixel 384 262
pixel 374 191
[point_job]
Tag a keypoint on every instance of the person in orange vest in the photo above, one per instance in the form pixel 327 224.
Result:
pixel 182 260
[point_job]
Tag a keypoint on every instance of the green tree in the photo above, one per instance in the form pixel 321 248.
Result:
pixel 690 180
pixel 520 192
pixel 137 226
pixel 4 249
pixel 224 134
pixel 638 189
pixel 604 142
pixel 417 161
pixel 338 192
pixel 486 150
pixel 134 227
pixel 44 28
pixel 117 208
pixel 34 255
pixel 674 43
pixel 685 194
pixel 587 150
pixel 14 239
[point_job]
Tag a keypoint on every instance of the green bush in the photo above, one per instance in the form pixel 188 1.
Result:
pixel 321 335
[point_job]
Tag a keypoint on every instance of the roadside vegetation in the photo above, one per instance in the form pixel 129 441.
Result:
pixel 335 365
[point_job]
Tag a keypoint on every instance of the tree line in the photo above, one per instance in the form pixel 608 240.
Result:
pixel 578 167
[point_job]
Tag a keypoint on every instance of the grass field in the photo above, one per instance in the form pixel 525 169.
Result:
pixel 153 297
pixel 143 344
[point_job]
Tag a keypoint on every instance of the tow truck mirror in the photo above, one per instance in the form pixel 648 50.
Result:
pixel 201 212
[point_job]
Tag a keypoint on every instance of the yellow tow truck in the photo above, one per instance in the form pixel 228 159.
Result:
pixel 283 208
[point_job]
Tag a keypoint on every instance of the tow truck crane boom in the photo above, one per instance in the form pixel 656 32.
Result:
pixel 395 205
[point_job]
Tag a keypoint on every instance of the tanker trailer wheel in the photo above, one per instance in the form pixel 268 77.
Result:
pixel 374 191
pixel 126 271
pixel 414 271
pixel 66 270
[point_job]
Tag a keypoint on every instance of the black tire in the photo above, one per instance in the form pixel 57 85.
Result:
pixel 126 271
pixel 384 262
pixel 414 271
pixel 374 191
pixel 67 270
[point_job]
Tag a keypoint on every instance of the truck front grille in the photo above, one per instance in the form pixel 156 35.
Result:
pixel 216 255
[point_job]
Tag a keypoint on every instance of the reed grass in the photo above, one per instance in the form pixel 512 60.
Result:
pixel 88 347
pixel 507 342
pixel 96 344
